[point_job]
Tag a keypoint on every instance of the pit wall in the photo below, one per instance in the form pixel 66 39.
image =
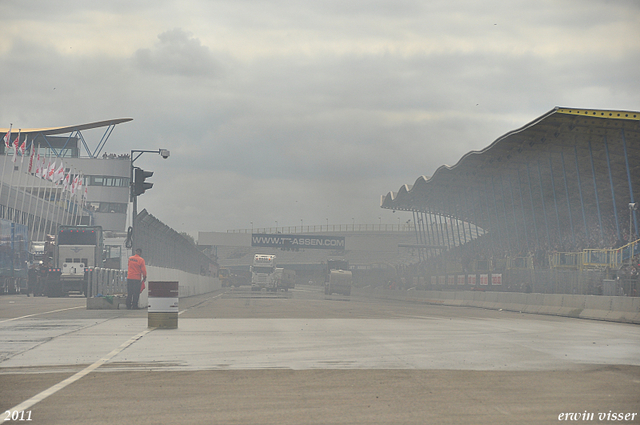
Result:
pixel 188 284
pixel 597 307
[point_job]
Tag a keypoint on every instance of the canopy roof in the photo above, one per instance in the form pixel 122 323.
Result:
pixel 570 169
pixel 67 129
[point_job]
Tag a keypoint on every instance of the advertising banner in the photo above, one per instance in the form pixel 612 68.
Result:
pixel 460 279
pixel 441 280
pixel 484 279
pixel 297 241
pixel 471 280
pixel 496 279
pixel 434 280
pixel 451 279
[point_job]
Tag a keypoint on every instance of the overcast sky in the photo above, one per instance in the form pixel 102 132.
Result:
pixel 306 111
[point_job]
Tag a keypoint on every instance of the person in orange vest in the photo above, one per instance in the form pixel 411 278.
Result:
pixel 136 275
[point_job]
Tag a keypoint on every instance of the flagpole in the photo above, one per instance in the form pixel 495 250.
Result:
pixel 58 195
pixel 24 194
pixel 7 142
pixel 38 198
pixel 65 204
pixel 42 227
pixel 74 187
pixel 32 155
pixel 15 205
pixel 50 222
pixel 13 161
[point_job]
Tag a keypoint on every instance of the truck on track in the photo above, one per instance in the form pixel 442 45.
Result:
pixel 263 272
pixel 78 249
pixel 338 278
pixel 225 277
pixel 285 279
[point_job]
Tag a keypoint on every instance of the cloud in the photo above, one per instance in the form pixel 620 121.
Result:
pixel 281 110
pixel 177 53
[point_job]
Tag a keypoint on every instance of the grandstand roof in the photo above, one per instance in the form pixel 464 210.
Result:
pixel 542 174
pixel 68 128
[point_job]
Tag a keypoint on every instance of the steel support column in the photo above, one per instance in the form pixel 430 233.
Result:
pixel 464 233
pixel 544 207
pixel 584 216
pixel 533 210
pixel 613 193
pixel 595 188
pixel 566 190
pixel 415 225
pixel 506 220
pixel 553 188
pixel 626 161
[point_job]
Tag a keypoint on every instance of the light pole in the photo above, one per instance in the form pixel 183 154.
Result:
pixel 632 207
pixel 132 192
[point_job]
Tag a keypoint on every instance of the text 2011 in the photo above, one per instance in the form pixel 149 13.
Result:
pixel 17 415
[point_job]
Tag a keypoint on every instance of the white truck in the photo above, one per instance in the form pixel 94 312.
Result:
pixel 263 273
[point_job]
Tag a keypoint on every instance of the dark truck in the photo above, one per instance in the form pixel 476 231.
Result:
pixel 78 249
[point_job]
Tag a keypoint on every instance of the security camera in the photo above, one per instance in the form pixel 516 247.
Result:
pixel 165 153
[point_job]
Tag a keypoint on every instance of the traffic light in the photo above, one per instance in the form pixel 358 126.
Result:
pixel 140 185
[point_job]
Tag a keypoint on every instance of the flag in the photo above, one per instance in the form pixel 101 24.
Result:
pixel 51 170
pixel 43 167
pixel 33 154
pixel 59 173
pixel 38 165
pixel 23 146
pixel 16 143
pixel 7 139
pixel 65 182
pixel 74 185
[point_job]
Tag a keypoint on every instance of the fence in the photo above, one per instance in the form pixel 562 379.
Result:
pixel 106 282
pixel 164 247
pixel 320 228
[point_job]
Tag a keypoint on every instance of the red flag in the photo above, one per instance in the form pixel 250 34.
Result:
pixel 33 154
pixel 7 139
pixel 16 143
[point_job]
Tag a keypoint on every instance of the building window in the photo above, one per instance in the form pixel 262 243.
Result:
pixel 107 181
pixel 107 207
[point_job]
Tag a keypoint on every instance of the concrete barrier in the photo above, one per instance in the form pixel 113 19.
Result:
pixel 190 284
pixel 109 302
pixel 610 308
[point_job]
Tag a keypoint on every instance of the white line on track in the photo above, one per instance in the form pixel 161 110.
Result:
pixel 39 314
pixel 26 405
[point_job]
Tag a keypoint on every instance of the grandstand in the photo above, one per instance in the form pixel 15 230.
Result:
pixel 557 193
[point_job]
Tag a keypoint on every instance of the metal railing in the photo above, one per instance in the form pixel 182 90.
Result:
pixel 324 228
pixel 520 263
pixel 612 258
pixel 569 260
pixel 106 282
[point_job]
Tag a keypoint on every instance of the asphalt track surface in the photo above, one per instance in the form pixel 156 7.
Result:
pixel 239 357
